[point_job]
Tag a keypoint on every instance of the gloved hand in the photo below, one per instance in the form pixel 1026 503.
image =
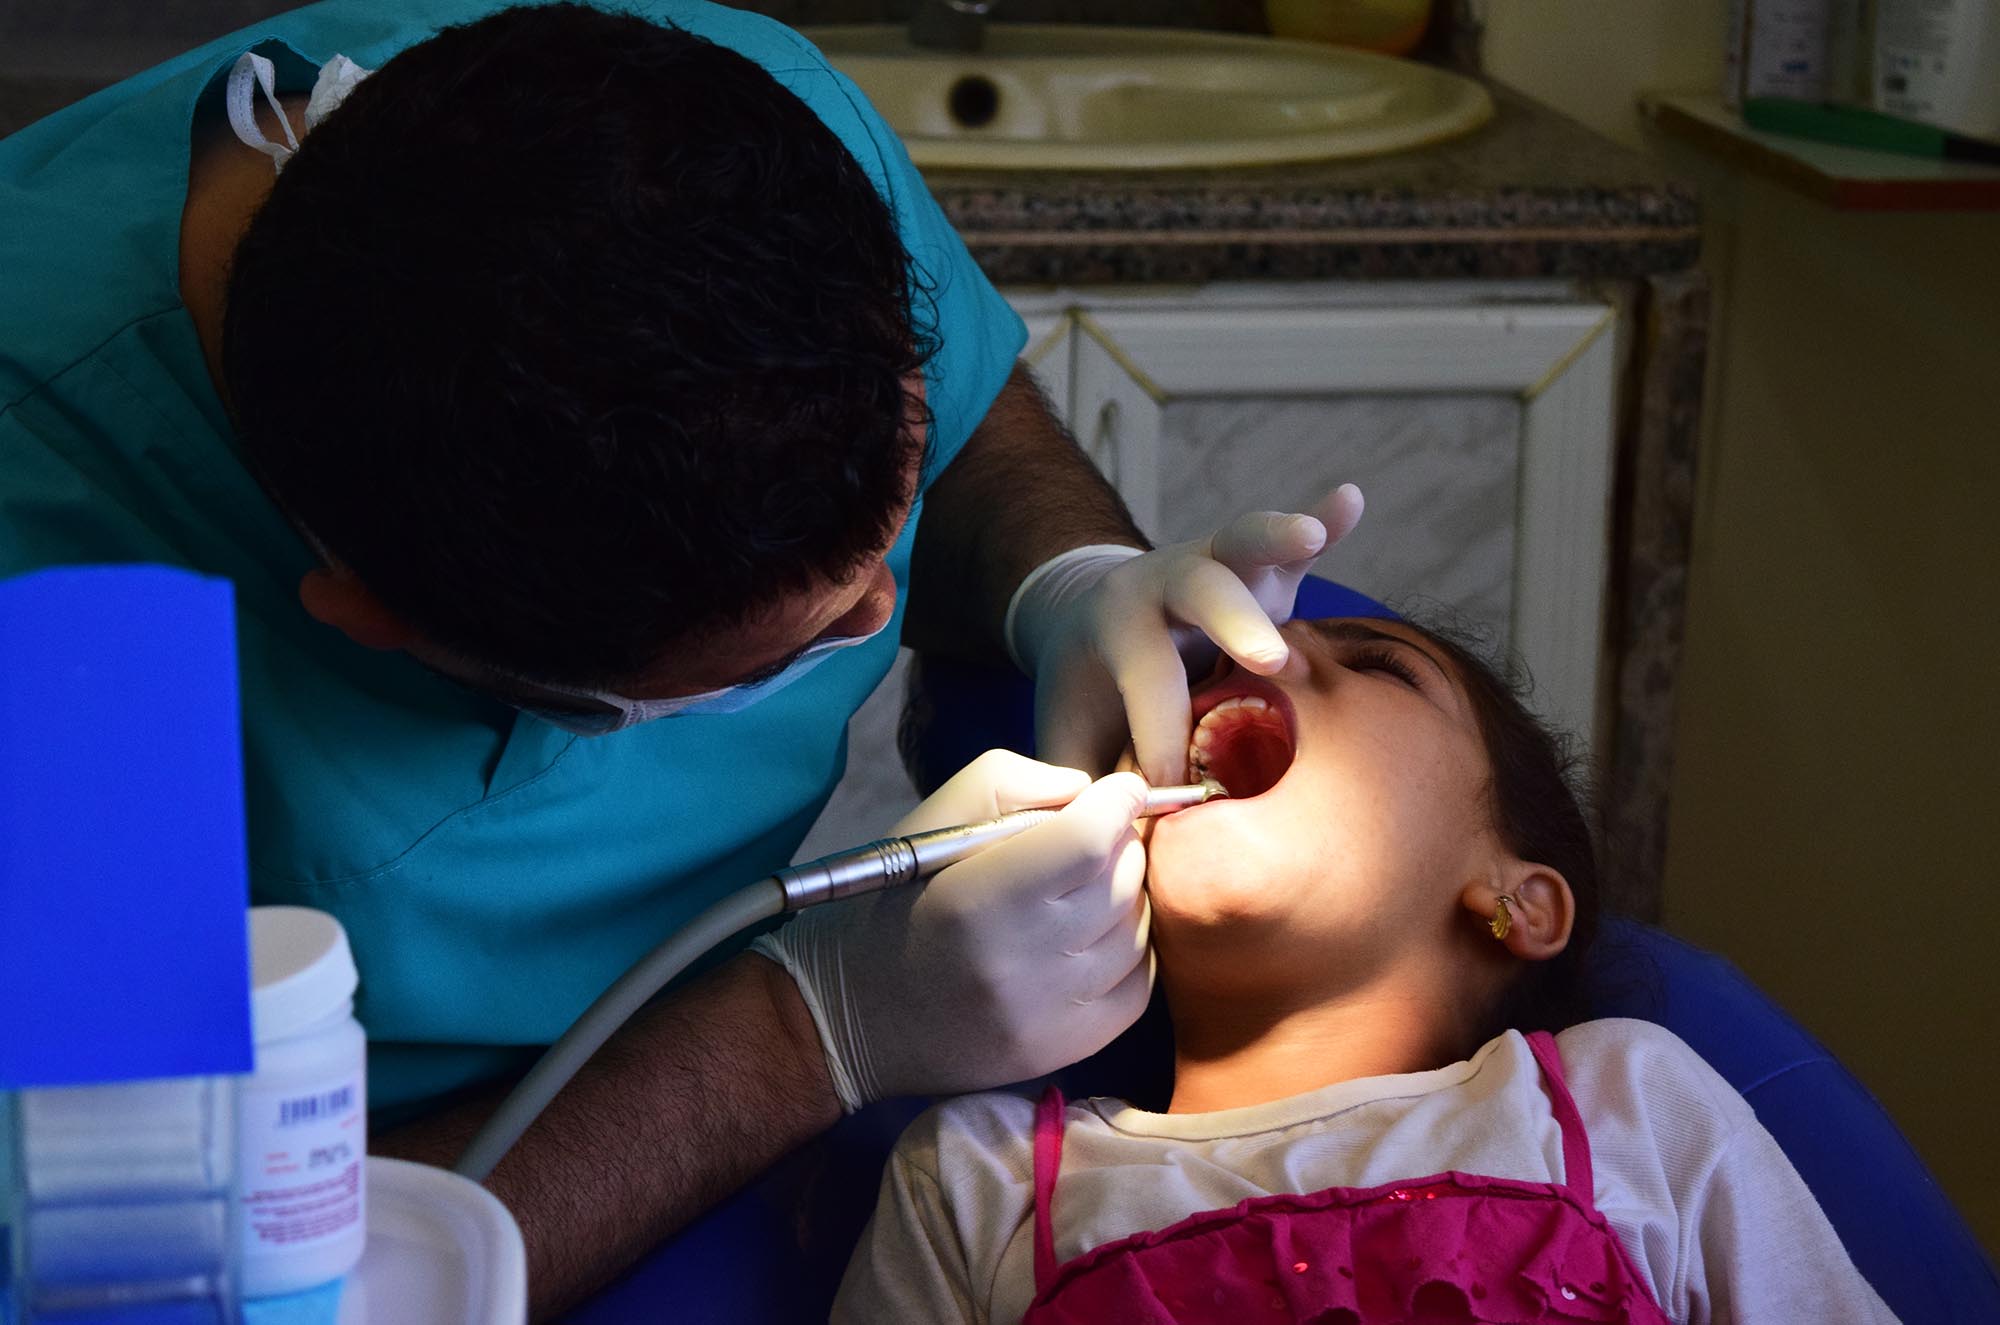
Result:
pixel 1110 635
pixel 1015 962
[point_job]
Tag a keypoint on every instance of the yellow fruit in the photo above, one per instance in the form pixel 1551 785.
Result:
pixel 1393 27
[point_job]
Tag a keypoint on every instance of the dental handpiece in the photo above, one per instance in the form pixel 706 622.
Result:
pixel 899 860
pixel 881 864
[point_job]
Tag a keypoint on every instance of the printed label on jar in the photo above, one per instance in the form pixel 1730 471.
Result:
pixel 300 1166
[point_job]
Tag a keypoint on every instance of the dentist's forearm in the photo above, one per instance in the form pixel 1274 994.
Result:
pixel 1019 493
pixel 694 1097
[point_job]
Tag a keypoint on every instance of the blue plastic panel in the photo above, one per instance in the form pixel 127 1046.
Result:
pixel 123 880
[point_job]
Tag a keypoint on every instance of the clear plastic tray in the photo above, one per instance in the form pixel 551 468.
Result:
pixel 441 1250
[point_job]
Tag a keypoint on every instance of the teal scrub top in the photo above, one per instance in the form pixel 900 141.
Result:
pixel 494 873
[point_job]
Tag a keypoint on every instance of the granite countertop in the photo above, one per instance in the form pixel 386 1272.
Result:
pixel 1530 193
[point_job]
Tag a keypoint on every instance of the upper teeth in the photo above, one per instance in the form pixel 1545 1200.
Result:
pixel 1204 731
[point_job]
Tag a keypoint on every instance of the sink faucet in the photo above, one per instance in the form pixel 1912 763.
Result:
pixel 949 25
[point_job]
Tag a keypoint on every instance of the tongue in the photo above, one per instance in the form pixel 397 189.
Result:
pixel 1249 757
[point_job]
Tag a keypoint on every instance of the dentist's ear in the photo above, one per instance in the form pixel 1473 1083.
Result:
pixel 336 597
pixel 1539 909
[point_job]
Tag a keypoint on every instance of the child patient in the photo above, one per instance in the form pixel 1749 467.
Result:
pixel 1363 951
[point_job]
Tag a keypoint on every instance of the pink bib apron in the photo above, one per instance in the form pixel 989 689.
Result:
pixel 1454 1247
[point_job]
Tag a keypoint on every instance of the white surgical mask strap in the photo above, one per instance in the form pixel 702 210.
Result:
pixel 252 72
pixel 337 77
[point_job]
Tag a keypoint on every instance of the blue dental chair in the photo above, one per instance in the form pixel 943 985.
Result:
pixel 775 1252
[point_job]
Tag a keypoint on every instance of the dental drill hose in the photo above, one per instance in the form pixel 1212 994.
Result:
pixel 552 1071
pixel 883 864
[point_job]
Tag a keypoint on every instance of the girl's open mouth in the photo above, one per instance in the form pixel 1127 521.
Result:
pixel 1242 736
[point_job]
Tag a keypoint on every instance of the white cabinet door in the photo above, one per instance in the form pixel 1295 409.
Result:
pixel 1116 421
pixel 1481 434
pixel 1049 353
pixel 1438 472
pixel 1479 424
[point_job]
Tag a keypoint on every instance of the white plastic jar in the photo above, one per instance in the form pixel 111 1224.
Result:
pixel 302 1117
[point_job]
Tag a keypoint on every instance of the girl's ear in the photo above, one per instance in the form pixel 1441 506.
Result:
pixel 1539 913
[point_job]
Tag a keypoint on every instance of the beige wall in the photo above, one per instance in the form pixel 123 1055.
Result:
pixel 1588 57
pixel 1836 796
pixel 1836 792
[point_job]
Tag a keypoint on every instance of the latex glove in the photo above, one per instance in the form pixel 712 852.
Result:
pixel 1110 634
pixel 1022 959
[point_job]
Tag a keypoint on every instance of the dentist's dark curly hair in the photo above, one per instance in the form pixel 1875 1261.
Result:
pixel 575 337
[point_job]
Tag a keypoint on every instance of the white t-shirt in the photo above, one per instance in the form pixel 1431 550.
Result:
pixel 1715 1218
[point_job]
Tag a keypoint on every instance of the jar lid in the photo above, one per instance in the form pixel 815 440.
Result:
pixel 300 969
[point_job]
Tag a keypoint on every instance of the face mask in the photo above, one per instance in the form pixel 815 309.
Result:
pixel 624 712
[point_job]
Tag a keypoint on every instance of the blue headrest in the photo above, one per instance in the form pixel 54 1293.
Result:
pixel 1322 598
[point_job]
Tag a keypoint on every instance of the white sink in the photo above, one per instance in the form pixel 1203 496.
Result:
pixel 1061 97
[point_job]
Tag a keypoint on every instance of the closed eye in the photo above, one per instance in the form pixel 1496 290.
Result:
pixel 763 674
pixel 1384 660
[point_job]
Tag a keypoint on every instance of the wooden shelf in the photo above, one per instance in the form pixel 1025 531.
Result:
pixel 1851 178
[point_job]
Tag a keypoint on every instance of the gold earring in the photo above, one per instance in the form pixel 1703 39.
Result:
pixel 1503 919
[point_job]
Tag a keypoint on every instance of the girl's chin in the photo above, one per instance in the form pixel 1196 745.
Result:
pixel 1221 842
pixel 1215 896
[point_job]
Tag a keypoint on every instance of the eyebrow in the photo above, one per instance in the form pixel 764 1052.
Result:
pixel 1355 632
